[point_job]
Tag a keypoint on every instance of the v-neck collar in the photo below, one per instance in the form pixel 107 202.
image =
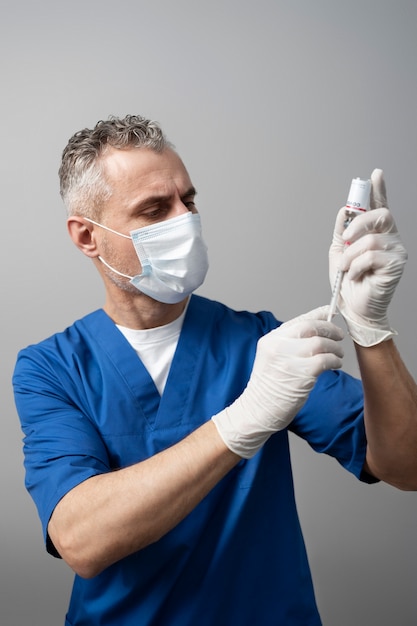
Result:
pixel 170 409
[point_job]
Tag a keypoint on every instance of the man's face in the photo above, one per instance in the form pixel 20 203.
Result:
pixel 147 187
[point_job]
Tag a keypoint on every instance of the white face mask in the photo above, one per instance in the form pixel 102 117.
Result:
pixel 173 257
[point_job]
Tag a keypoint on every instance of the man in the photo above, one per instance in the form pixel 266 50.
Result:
pixel 164 481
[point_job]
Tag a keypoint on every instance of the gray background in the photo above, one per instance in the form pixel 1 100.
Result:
pixel 274 107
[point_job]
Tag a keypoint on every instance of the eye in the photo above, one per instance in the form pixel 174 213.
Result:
pixel 190 204
pixel 156 212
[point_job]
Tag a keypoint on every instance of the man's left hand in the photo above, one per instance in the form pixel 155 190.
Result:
pixel 371 255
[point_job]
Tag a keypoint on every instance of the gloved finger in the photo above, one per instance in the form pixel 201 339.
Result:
pixel 376 221
pixel 378 190
pixel 306 370
pixel 304 327
pixel 323 362
pixel 323 345
pixel 291 354
pixel 389 263
pixel 339 228
pixel 384 242
pixel 319 313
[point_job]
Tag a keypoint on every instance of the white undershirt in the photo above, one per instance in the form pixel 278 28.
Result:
pixel 156 347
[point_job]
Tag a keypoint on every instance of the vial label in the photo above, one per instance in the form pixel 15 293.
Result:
pixel 359 194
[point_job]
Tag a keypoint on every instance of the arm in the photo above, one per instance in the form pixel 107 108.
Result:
pixel 111 515
pixel 390 415
pixel 372 257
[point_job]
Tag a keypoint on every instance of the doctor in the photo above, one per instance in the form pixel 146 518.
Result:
pixel 156 428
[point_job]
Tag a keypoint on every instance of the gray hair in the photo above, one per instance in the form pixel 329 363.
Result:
pixel 83 184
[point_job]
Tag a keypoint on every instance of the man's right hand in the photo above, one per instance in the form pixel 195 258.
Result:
pixel 287 363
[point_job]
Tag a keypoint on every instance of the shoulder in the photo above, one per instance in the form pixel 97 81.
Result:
pixel 58 347
pixel 224 316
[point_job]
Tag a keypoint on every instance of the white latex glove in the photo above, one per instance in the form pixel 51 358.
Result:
pixel 287 363
pixel 372 256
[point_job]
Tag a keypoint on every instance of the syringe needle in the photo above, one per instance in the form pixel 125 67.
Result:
pixel 335 295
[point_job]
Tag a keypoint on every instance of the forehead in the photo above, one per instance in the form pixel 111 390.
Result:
pixel 142 170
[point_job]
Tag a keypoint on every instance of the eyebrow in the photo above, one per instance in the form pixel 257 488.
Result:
pixel 192 191
pixel 150 200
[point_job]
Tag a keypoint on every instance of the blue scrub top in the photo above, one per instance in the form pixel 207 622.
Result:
pixel 88 406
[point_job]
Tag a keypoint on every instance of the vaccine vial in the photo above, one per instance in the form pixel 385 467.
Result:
pixel 358 199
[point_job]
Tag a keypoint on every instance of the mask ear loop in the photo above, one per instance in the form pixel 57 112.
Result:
pixel 100 258
pixel 109 229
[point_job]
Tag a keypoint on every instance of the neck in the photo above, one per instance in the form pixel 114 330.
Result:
pixel 140 312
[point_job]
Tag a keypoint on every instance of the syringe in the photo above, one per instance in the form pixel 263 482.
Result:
pixel 358 202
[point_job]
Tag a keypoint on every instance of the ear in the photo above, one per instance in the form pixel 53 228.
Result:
pixel 82 234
